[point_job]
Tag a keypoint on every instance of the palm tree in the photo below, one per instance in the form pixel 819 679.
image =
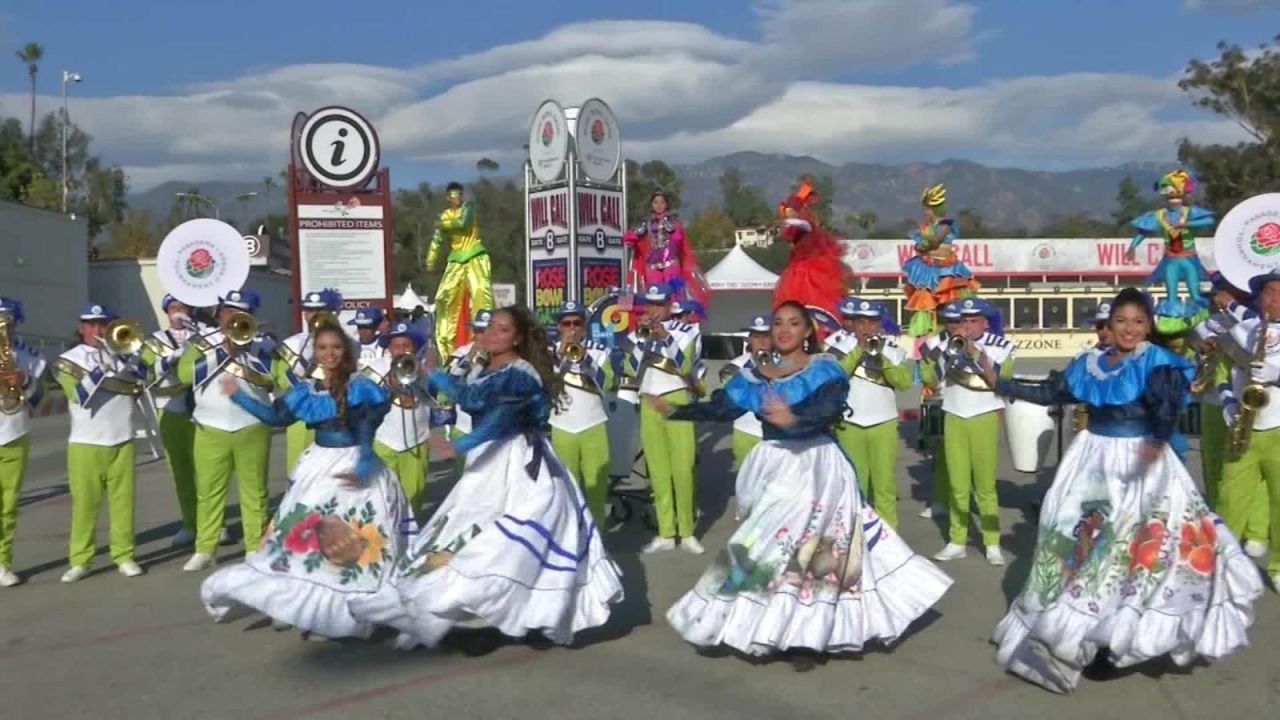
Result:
pixel 31 54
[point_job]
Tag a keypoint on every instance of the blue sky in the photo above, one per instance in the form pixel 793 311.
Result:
pixel 194 90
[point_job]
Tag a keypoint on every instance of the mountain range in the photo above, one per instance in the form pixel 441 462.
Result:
pixel 1006 198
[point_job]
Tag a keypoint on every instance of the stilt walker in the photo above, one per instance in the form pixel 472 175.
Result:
pixel 293 362
pixel 1212 371
pixel 459 419
pixel 368 323
pixel 972 425
pixel 1251 404
pixel 21 367
pixel 579 422
pixel 664 361
pixel 868 431
pixel 932 349
pixel 467 283
pixel 228 438
pixel 1176 224
pixel 402 437
pixel 748 430
pixel 160 354
pixel 102 389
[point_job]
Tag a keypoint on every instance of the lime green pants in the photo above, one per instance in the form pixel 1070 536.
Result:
pixel 1251 480
pixel 1213 457
pixel 91 471
pixel 743 443
pixel 13 465
pixel 586 455
pixel 971 446
pixel 874 452
pixel 410 468
pixel 218 453
pixel 178 435
pixel 459 459
pixel 669 448
pixel 297 438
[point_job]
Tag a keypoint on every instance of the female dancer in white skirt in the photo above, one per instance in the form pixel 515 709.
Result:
pixel 812 566
pixel 1129 560
pixel 513 546
pixel 337 533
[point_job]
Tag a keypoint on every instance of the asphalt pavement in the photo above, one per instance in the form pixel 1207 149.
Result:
pixel 112 647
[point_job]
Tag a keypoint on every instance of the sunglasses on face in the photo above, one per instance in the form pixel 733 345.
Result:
pixel 570 323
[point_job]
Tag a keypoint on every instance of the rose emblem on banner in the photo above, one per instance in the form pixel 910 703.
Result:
pixel 597 131
pixel 200 263
pixel 1043 252
pixel 548 133
pixel 1266 241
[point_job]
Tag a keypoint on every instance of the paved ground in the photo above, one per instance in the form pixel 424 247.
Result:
pixel 111 647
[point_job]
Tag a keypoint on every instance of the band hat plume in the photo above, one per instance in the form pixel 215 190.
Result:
pixel 326 299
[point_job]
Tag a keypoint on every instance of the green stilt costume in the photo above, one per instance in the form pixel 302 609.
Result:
pixel 13 465
pixel 586 455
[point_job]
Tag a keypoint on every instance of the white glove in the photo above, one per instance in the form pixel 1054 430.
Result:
pixel 1265 373
pixel 1230 413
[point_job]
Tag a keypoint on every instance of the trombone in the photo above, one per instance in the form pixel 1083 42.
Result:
pixel 319 320
pixel 12 397
pixel 405 369
pixel 241 328
pixel 123 338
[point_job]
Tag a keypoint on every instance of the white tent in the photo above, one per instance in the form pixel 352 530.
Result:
pixel 409 300
pixel 737 271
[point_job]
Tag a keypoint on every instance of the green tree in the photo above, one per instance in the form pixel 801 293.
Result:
pixel 486 165
pixel 135 235
pixel 643 181
pixel 742 202
pixel 711 228
pixel 1244 87
pixel 969 224
pixel 825 187
pixel 1130 203
pixel 105 196
pixel 31 54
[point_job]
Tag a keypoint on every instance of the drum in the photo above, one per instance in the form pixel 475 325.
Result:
pixel 1029 429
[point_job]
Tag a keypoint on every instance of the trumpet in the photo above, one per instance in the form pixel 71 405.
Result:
pixel 1253 399
pixel 958 345
pixel 764 358
pixel 123 337
pixel 319 320
pixel 11 396
pixel 241 328
pixel 875 345
pixel 405 369
pixel 644 332
pixel 574 352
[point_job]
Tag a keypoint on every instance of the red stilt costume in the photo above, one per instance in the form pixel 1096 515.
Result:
pixel 815 275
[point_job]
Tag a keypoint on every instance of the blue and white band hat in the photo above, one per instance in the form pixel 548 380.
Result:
pixel 404 329
pixel 759 324
pixel 657 294
pixel 950 311
pixel 243 299
pixel 326 299
pixel 482 319
pixel 166 301
pixel 677 308
pixel 11 307
pixel 1102 314
pixel 857 307
pixel 367 318
pixel 571 308
pixel 95 311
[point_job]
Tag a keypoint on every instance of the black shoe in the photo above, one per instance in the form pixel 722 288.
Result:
pixel 1102 668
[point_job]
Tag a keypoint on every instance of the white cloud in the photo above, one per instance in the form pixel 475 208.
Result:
pixel 682 92
pixel 1234 7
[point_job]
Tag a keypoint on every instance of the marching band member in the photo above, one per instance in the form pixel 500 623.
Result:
pixel 368 325
pixel 20 389
pixel 664 359
pixel 1130 564
pixel 971 425
pixel 160 354
pixel 931 349
pixel 1251 476
pixel 868 431
pixel 811 566
pixel 102 389
pixel 513 546
pixel 293 363
pixel 748 431
pixel 467 283
pixel 461 419
pixel 578 425
pixel 336 535
pixel 1102 326
pixel 402 438
pixel 1214 370
pixel 228 438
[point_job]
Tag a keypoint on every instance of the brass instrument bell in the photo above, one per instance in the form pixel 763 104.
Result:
pixel 241 328
pixel 123 337
pixel 405 368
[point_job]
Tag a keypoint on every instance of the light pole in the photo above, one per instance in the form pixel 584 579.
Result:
pixel 67 76
pixel 200 198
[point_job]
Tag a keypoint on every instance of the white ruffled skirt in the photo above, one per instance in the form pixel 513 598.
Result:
pixel 326 545
pixel 1137 565
pixel 507 550
pixel 810 567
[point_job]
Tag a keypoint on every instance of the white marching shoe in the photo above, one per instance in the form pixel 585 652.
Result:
pixel 995 556
pixel 8 578
pixel 659 544
pixel 1275 582
pixel 129 568
pixel 692 546
pixel 931 511
pixel 77 572
pixel 1255 549
pixel 952 551
pixel 199 561
pixel 183 538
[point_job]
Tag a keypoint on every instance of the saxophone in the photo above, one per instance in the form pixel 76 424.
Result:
pixel 11 396
pixel 1253 399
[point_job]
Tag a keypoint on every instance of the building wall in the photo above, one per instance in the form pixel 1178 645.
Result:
pixel 752 237
pixel 44 264
pixel 131 288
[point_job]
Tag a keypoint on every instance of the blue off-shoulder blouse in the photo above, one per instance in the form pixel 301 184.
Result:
pixel 1140 395
pixel 502 403
pixel 815 394
pixel 366 404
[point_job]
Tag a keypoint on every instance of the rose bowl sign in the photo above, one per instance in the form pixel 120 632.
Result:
pixel 202 259
pixel 1247 241
pixel 548 142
